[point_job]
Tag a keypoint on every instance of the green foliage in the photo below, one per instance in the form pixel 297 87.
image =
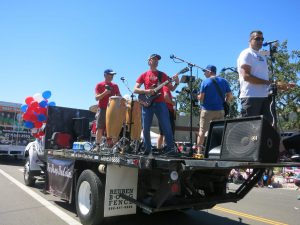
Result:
pixel 233 80
pixel 183 99
pixel 286 67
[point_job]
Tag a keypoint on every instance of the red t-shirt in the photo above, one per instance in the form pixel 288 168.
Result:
pixel 150 80
pixel 168 92
pixel 100 87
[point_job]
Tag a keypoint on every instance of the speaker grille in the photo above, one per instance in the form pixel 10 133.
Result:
pixel 241 139
pixel 250 139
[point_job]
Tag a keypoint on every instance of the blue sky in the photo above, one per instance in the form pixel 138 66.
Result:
pixel 64 46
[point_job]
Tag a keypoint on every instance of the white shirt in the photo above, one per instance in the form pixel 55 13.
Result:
pixel 259 68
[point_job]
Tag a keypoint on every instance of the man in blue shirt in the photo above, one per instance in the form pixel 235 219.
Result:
pixel 211 101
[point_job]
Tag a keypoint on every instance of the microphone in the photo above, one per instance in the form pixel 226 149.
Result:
pixel 122 78
pixel 269 42
pixel 172 56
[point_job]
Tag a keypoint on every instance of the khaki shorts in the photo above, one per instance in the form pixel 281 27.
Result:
pixel 101 119
pixel 206 116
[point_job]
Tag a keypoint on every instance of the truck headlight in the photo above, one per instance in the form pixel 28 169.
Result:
pixel 174 175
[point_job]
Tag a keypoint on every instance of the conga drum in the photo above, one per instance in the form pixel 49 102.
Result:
pixel 136 123
pixel 115 116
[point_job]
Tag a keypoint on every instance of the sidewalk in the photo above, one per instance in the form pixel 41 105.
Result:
pixel 280 182
pixel 289 186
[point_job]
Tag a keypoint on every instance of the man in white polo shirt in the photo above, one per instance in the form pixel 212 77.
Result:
pixel 254 79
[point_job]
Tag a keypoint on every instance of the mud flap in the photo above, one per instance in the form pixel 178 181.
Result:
pixel 120 180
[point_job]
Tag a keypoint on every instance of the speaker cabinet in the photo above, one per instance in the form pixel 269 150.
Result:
pixel 214 139
pixel 250 139
pixel 81 128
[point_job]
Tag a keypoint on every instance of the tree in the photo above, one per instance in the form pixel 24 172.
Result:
pixel 286 67
pixel 183 98
pixel 233 79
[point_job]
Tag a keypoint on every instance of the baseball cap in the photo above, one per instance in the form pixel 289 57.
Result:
pixel 154 56
pixel 211 68
pixel 109 71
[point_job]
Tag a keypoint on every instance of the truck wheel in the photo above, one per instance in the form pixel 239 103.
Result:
pixel 28 177
pixel 89 198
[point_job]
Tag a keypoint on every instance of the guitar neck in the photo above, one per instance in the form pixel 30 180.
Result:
pixel 170 80
pixel 162 84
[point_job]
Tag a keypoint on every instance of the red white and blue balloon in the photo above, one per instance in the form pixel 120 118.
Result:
pixel 35 112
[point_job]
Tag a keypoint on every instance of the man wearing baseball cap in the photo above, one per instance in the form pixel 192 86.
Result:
pixel 103 91
pixel 151 79
pixel 211 101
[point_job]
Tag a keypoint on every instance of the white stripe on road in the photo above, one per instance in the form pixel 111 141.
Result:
pixel 62 215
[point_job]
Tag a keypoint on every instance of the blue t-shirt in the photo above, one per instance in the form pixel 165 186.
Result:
pixel 212 100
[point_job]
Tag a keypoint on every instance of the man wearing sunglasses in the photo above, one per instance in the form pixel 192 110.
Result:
pixel 254 79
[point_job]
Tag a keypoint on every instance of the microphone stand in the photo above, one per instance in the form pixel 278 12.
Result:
pixel 273 87
pixel 190 65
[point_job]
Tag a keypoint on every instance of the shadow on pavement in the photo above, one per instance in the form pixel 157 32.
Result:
pixel 11 160
pixel 190 217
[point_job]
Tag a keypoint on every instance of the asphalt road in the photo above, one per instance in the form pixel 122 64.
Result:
pixel 30 206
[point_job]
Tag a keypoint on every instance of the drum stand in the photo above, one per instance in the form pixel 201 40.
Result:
pixel 120 146
pixel 134 144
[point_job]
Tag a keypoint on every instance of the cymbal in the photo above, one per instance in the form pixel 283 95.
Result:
pixel 93 108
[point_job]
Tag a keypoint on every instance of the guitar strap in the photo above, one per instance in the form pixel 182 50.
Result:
pixel 159 77
pixel 218 89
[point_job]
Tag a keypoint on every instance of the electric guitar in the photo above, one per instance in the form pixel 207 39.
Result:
pixel 147 99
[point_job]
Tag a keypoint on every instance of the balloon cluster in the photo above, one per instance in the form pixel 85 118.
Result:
pixel 35 112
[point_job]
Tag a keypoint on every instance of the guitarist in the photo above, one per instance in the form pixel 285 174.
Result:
pixel 150 79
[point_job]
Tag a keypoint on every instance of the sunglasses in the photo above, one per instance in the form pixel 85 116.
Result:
pixel 258 39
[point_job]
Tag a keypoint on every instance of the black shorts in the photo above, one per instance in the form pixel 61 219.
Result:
pixel 256 107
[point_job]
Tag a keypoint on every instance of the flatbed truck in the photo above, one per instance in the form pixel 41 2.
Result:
pixel 122 181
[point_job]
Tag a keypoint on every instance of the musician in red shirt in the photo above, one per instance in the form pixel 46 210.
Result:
pixel 150 79
pixel 103 91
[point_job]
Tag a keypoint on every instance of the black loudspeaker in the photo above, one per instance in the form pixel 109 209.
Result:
pixel 81 128
pixel 292 143
pixel 214 139
pixel 250 139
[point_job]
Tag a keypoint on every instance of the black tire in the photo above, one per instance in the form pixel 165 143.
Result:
pixel 89 198
pixel 29 179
